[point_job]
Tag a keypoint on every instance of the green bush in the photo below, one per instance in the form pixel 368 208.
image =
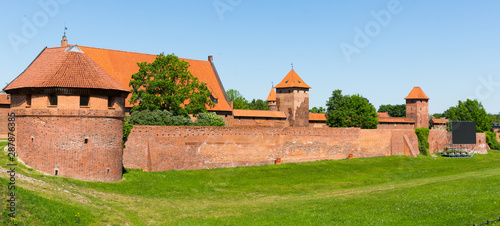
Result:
pixel 491 139
pixel 166 118
pixel 159 118
pixel 423 143
pixel 209 119
pixel 126 131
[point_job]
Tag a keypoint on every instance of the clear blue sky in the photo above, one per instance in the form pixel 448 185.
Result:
pixel 449 48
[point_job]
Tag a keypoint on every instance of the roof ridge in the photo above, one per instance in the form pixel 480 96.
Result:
pixel 150 54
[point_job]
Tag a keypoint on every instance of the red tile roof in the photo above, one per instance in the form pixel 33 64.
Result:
pixel 121 65
pixel 417 93
pixel 272 95
pixel 4 99
pixel 396 120
pixel 59 67
pixel 258 113
pixel 317 117
pixel 439 120
pixel 383 115
pixel 292 80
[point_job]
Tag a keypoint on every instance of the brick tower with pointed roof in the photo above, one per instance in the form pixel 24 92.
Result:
pixel 69 116
pixel 271 100
pixel 417 107
pixel 292 97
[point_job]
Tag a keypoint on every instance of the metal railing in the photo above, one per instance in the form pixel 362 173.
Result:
pixel 488 222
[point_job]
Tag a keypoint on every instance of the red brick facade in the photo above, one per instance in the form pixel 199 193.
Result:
pixel 158 148
pixel 418 110
pixel 68 140
pixel 295 103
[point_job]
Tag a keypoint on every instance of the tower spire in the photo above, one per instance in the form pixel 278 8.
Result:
pixel 64 41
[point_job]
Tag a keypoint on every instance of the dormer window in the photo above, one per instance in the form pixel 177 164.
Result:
pixel 53 99
pixel 213 99
pixel 84 100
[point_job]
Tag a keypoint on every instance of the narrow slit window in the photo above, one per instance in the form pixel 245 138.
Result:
pixel 86 141
pixel 53 99
pixel 111 101
pixel 84 100
pixel 56 172
pixel 28 99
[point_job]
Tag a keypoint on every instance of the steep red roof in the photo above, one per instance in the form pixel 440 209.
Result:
pixel 4 99
pixel 292 80
pixel 258 113
pixel 417 93
pixel 317 117
pixel 64 67
pixel 439 120
pixel 121 65
pixel 272 95
pixel 383 115
pixel 396 120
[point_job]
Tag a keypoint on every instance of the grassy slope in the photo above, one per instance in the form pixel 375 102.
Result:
pixel 387 190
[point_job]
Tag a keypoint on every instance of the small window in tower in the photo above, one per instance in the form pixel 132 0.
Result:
pixel 53 99
pixel 107 171
pixel 28 99
pixel 84 100
pixel 111 101
pixel 286 81
pixel 56 172
pixel 86 141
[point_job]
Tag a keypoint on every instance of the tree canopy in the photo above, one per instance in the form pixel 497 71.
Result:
pixel 239 102
pixel 398 110
pixel 317 110
pixel 470 110
pixel 167 84
pixel 495 118
pixel 350 111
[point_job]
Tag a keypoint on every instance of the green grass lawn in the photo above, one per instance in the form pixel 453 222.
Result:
pixel 395 190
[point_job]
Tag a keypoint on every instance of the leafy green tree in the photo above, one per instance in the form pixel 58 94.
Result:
pixel 258 105
pixel 495 118
pixel 317 110
pixel 491 139
pixel 470 110
pixel 239 102
pixel 167 84
pixel 350 111
pixel 437 115
pixel 398 110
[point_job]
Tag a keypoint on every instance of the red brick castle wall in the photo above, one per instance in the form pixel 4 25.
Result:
pixel 158 148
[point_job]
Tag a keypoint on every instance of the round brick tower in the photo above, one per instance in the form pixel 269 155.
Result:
pixel 69 116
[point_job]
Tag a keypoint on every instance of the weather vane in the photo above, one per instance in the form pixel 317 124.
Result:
pixel 65 28
pixel 292 66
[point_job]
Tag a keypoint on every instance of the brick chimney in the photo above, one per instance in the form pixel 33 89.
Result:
pixel 64 41
pixel 210 58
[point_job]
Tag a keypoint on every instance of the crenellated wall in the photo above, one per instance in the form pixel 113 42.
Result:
pixel 158 148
